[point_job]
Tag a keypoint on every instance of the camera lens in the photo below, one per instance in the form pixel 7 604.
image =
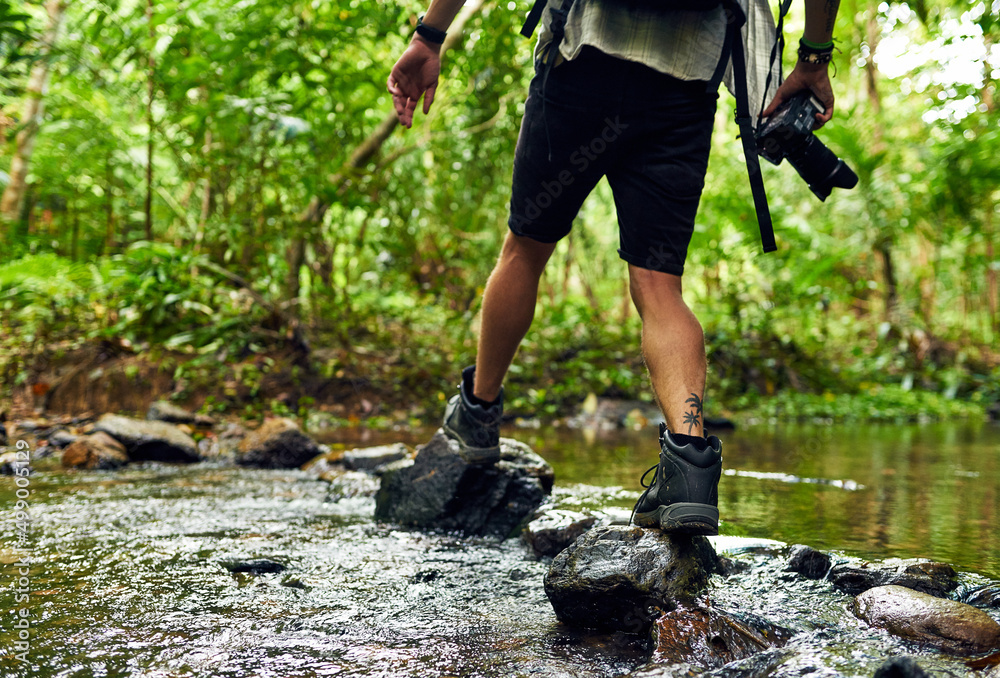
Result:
pixel 820 167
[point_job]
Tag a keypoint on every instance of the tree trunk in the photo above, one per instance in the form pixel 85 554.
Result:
pixel 992 286
pixel 34 107
pixel 150 90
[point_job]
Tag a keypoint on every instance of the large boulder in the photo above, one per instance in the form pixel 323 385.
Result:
pixel 936 579
pixel 278 443
pixel 97 451
pixel 709 637
pixel 620 578
pixel 149 440
pixel 440 490
pixel 946 624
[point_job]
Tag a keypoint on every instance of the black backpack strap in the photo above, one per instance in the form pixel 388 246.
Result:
pixel 534 16
pixel 735 22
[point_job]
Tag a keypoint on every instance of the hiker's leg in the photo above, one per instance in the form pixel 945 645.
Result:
pixel 673 346
pixel 508 309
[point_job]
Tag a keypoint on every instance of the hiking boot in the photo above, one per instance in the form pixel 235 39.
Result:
pixel 475 427
pixel 684 495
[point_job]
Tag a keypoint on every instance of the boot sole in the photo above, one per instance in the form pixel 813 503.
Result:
pixel 479 456
pixel 682 518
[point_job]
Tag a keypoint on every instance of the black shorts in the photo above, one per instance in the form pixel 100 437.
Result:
pixel 650 133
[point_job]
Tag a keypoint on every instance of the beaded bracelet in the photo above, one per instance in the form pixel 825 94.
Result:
pixel 813 53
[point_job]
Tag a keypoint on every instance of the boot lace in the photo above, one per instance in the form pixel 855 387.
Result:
pixel 642 481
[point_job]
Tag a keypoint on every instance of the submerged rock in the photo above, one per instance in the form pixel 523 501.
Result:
pixel 163 410
pixel 946 624
pixel 710 637
pixel 900 667
pixel 621 579
pixel 96 451
pixel 553 530
pixel 278 443
pixel 808 562
pixel 926 576
pixel 149 440
pixel 438 489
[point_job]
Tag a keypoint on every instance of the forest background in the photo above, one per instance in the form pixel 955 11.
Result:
pixel 210 200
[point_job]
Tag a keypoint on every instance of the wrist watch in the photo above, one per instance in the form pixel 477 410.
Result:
pixel 430 34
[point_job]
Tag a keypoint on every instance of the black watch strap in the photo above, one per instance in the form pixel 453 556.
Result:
pixel 430 34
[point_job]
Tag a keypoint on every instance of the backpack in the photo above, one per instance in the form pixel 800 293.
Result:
pixel 732 47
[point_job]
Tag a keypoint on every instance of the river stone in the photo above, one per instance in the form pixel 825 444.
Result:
pixel 986 595
pixel 946 624
pixel 808 562
pixel 620 578
pixel 163 410
pixel 61 438
pixel 372 458
pixel 439 490
pixel 96 451
pixel 9 463
pixel 925 576
pixel 710 637
pixel 149 440
pixel 278 443
pixel 900 667
pixel 254 566
pixel 550 531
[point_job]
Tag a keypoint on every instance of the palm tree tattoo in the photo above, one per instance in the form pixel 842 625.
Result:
pixel 693 418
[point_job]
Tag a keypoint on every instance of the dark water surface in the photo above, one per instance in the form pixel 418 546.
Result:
pixel 128 577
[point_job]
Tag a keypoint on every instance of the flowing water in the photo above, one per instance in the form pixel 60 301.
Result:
pixel 128 571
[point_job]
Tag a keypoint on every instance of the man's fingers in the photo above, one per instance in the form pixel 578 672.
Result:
pixel 429 98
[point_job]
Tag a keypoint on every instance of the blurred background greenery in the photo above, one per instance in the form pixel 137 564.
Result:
pixel 289 248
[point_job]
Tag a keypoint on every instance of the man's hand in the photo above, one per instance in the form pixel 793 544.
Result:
pixel 414 75
pixel 806 76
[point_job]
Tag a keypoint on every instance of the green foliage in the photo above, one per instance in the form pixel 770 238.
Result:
pixel 258 108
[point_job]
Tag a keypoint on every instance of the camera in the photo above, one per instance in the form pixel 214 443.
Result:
pixel 788 134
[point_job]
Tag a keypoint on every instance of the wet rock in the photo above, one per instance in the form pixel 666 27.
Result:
pixel 61 438
pixel 808 562
pixel 372 458
pixel 900 667
pixel 710 637
pixel 163 410
pixel 9 462
pixel 946 624
pixel 440 490
pixel 621 579
pixel 149 440
pixel 936 579
pixel 98 451
pixel 987 595
pixel 254 566
pixel 279 443
pixel 553 530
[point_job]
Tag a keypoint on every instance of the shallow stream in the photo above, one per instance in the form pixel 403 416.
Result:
pixel 129 573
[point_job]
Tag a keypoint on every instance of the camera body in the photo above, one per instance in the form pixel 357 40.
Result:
pixel 788 133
